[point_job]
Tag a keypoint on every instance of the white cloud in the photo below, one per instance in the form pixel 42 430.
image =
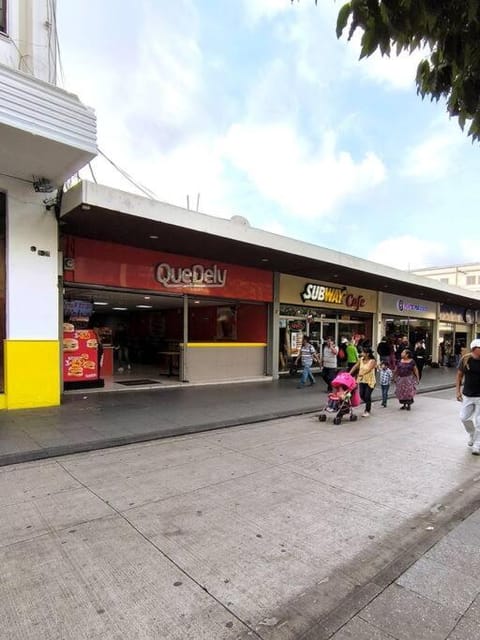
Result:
pixel 433 157
pixel 408 252
pixel 265 9
pixel 396 72
pixel 288 171
pixel 468 250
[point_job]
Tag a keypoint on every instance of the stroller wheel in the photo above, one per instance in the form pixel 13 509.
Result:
pixel 337 421
pixel 353 417
pixel 322 417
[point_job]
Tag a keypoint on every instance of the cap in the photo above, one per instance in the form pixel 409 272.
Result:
pixel 475 344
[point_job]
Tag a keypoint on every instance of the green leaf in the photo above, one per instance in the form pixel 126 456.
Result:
pixel 342 19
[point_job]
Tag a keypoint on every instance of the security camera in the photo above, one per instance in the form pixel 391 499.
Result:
pixel 49 203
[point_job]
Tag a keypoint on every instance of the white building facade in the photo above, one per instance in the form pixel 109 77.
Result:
pixel 46 136
pixel 461 275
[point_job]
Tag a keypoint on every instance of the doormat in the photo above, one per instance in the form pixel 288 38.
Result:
pixel 132 383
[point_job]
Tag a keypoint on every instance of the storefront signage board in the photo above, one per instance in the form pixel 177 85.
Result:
pixel 314 293
pixel 408 307
pixel 449 313
pixel 113 265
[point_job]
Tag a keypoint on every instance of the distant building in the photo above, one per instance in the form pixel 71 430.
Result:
pixel 466 276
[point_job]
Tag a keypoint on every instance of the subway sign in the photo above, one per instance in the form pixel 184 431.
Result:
pixel 332 295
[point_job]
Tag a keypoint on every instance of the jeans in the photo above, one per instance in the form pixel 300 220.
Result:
pixel 385 388
pixel 307 374
pixel 123 356
pixel 366 395
pixel 470 417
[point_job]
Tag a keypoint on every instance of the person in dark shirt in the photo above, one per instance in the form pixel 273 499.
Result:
pixel 383 350
pixel 122 348
pixel 420 357
pixel 468 374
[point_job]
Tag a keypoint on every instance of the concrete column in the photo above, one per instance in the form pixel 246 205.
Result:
pixel 273 329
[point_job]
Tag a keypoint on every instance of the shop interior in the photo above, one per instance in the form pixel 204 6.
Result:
pixel 416 329
pixel 301 321
pixel 141 333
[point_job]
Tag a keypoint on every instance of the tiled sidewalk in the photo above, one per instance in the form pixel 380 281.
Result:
pixel 95 421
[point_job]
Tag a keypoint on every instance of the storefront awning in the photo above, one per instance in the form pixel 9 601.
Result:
pixel 102 213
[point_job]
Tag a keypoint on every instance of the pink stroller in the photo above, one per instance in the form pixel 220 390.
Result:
pixel 343 398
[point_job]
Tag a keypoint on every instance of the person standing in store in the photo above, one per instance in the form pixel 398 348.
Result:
pixel 383 350
pixel 366 378
pixel 121 347
pixel 329 362
pixel 307 356
pixel 468 374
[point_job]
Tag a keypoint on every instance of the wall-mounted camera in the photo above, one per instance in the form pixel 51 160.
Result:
pixel 50 203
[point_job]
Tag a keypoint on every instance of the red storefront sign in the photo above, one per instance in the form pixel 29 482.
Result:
pixel 113 265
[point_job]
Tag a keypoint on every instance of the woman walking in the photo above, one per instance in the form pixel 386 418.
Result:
pixel 366 378
pixel 420 357
pixel 406 378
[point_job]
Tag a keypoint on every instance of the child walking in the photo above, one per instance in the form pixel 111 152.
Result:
pixel 386 375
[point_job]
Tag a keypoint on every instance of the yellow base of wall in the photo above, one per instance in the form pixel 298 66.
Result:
pixel 32 374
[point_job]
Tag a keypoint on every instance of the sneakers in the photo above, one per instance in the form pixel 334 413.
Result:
pixel 330 410
pixel 366 414
pixel 476 449
pixel 470 441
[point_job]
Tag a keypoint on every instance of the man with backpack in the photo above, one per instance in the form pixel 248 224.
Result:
pixel 468 374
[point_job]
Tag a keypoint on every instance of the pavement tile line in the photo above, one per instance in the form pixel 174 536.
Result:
pixel 462 502
pixel 251 631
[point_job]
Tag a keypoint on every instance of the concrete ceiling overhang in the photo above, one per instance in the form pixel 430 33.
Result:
pixel 45 132
pixel 27 156
pixel 102 213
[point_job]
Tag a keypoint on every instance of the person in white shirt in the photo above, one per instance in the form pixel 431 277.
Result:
pixel 329 362
pixel 307 356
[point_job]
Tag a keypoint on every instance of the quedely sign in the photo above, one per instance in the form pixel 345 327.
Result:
pixel 115 265
pixel 408 307
pixel 198 275
pixel 294 290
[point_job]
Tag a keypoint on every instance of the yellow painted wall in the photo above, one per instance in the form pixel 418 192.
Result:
pixel 32 373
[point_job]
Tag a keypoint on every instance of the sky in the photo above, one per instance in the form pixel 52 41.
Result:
pixel 255 108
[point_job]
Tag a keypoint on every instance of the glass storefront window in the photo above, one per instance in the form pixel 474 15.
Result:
pixel 296 321
pixel 416 330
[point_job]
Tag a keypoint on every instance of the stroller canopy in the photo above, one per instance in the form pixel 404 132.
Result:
pixel 344 379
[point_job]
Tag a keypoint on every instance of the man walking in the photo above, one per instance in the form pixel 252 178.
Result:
pixel 468 373
pixel 307 355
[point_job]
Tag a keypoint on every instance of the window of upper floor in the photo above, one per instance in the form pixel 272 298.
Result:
pixel 3 16
pixel 444 280
pixel 471 279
